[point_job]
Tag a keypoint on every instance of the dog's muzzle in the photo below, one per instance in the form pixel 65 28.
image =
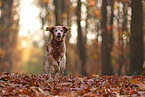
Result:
pixel 58 38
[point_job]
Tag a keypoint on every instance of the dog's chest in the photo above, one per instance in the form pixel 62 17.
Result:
pixel 57 51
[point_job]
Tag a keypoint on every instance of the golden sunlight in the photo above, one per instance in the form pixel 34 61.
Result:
pixel 28 17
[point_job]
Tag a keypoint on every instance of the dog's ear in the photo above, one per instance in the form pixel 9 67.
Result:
pixel 66 29
pixel 50 29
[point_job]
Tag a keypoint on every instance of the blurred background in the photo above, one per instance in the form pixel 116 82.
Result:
pixel 107 36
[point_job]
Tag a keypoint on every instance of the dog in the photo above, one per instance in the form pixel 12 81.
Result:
pixel 55 50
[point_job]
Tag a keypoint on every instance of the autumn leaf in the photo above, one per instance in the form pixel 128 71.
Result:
pixel 64 15
pixel 97 13
pixel 0 51
pixel 115 7
pixel 92 2
pixel 46 1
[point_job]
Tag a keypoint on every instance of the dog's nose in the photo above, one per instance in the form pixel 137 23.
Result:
pixel 59 34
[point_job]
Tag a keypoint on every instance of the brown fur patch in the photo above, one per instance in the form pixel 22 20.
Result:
pixel 57 49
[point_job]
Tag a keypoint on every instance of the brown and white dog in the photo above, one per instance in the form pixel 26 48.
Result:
pixel 55 50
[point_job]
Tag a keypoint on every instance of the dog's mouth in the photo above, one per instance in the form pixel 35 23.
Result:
pixel 58 38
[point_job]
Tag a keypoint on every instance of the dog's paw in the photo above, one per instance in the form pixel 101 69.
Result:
pixel 49 80
pixel 62 72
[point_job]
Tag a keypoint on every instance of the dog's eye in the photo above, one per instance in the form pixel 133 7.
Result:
pixel 61 30
pixel 55 30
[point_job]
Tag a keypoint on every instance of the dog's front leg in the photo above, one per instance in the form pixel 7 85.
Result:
pixel 47 68
pixel 50 62
pixel 63 64
pixel 56 68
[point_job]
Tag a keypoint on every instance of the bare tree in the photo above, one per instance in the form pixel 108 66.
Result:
pixel 8 36
pixel 121 43
pixel 80 40
pixel 136 39
pixel 58 11
pixel 105 51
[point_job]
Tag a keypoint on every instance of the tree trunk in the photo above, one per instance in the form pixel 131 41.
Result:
pixel 110 32
pixel 105 54
pixel 121 43
pixel 68 56
pixel 5 43
pixel 80 41
pixel 111 26
pixel 136 39
pixel 58 12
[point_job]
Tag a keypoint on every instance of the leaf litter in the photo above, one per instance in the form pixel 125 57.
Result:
pixel 15 84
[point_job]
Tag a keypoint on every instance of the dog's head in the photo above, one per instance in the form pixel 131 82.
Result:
pixel 58 32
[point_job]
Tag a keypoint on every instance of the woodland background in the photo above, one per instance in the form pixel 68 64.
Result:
pixel 107 36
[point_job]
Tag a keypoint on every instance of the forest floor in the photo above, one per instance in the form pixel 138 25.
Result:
pixel 15 84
